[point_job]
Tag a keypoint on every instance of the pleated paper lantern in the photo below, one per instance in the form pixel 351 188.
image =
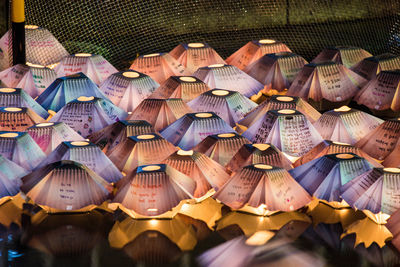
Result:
pixel 140 150
pixel 326 85
pixel 371 66
pixel 34 79
pixel 195 55
pixel 118 132
pixel 87 115
pixel 10 177
pixel 253 50
pixel 87 154
pixel 48 135
pixel 207 173
pixel 185 87
pixel 16 97
pixel 327 147
pixel 41 47
pixel 126 89
pixel 276 71
pixel 231 106
pixel 229 77
pixel 346 125
pixel 393 159
pixel 153 190
pixel 21 148
pixel 221 147
pixel 263 189
pixel 64 90
pixel 393 226
pixel 65 186
pixel 96 67
pixel 160 112
pixel 192 128
pixel 250 154
pixel 159 66
pixel 346 55
pixel 381 94
pixel 287 129
pixel 18 118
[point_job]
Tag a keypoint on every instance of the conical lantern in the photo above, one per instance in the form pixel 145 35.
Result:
pixel 10 177
pixel 253 50
pixel 192 128
pixel 17 118
pixel 34 79
pixel 48 135
pixel 231 106
pixel 87 154
pixel 20 148
pixel 153 190
pixel 221 147
pixel 346 55
pixel 16 97
pixel 250 154
pixel 65 186
pixel 276 71
pixel 346 125
pixel 371 66
pixel 140 150
pixel 87 115
pixel 126 89
pixel 160 112
pixel 229 77
pixel 326 85
pixel 195 55
pixel 95 67
pixel 118 132
pixel 381 94
pixel 159 66
pixel 185 87
pixel 287 129
pixel 393 160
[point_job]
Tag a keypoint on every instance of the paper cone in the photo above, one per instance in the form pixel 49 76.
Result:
pixel 371 66
pixel 18 118
pixel 346 55
pixel 10 177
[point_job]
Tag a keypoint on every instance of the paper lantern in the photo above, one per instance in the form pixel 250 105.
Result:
pixel 381 94
pixel 34 79
pixel 159 66
pixel 126 89
pixel 195 55
pixel 347 125
pixel 152 190
pixel 276 71
pixel 64 90
pixel 250 154
pixel 87 154
pixel 192 128
pixel 326 85
pixel 278 102
pixel 221 147
pixel 87 115
pixel 48 135
pixel 16 97
pixel 231 106
pixel 10 177
pixel 41 47
pixel 346 55
pixel 96 67
pixel 65 186
pixel 229 77
pixel 254 50
pixel 118 132
pixel 287 129
pixel 140 150
pixel 207 173
pixel 185 87
pixel 160 112
pixel 264 189
pixel 327 147
pixel 17 118
pixel 371 66
pixel 393 226
pixel 392 160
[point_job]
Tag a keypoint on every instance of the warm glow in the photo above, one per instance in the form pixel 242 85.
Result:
pixel 7 90
pixel 286 111
pixel 34 65
pixel 130 74
pixel 31 27
pixel 79 143
pixel 203 115
pixel 261 147
pixel 8 135
pixel 344 156
pixel 152 210
pixel 185 152
pixel 267 41
pixel 85 98
pixel 195 45
pixel 145 136
pixel 340 143
pixel 83 55
pixel 342 109
pixel 263 166
pixel 220 92
pixel 187 79
pixel 259 238
pixel 151 168
pixel 13 109
pixel 152 55
pixel 153 222
pixel 226 135
pixel 284 98
pixel 44 124
pixel 216 65
pixel 392 170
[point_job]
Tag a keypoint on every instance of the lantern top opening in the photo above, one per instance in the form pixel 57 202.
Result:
pixel 44 124
pixel 79 143
pixel 152 55
pixel 286 111
pixel 216 65
pixel 187 79
pixel 7 90
pixel 8 135
pixel 392 170
pixel 259 238
pixel 220 92
pixel 130 74
pixel 344 156
pixel 226 135
pixel 342 109
pixel 151 168
pixel 13 109
pixel 267 41
pixel 35 65
pixel 203 115
pixel 263 166
pixel 85 98
pixel 145 136
pixel 83 55
pixel 284 98
pixel 195 45
pixel 261 147
pixel 185 152
pixel 31 27
pixel 340 143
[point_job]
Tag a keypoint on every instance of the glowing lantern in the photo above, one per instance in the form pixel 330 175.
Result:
pixel 17 118
pixel 346 55
pixel 371 66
